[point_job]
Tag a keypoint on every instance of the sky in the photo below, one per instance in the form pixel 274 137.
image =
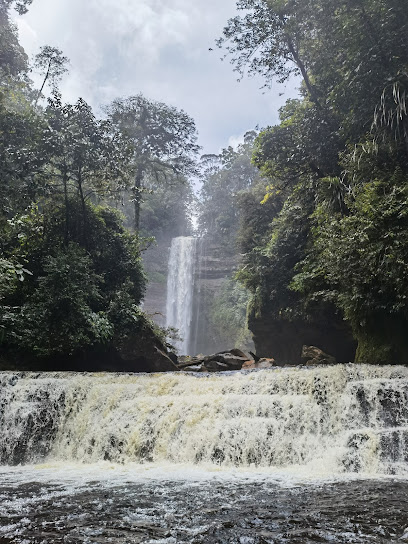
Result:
pixel 159 48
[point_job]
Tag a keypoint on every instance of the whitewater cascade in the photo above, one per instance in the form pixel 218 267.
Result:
pixel 180 289
pixel 332 420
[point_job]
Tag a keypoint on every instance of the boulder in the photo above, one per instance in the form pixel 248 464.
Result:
pixel 217 366
pixel 311 355
pixel 145 356
pixel 194 368
pixel 217 362
pixel 261 363
pixel 225 360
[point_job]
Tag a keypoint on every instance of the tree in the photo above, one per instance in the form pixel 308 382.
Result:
pixel 162 141
pixel 70 298
pixel 53 65
pixel 21 6
pixel 22 160
pixel 13 60
pixel 269 40
pixel 224 176
pixel 83 158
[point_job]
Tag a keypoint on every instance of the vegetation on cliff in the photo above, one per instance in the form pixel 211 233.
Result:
pixel 331 239
pixel 71 276
pixel 314 208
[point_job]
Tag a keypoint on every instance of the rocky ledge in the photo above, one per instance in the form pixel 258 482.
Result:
pixel 235 359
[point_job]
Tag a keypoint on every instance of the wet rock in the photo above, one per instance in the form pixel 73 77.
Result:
pixel 311 355
pixel 218 366
pixel 147 356
pixel 261 363
pixel 194 368
pixel 217 362
pixel 404 537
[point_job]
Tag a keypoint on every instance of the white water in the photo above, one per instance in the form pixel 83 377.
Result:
pixel 180 289
pixel 312 422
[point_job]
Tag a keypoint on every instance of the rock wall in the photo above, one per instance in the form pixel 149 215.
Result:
pixel 155 260
pixel 283 340
pixel 212 270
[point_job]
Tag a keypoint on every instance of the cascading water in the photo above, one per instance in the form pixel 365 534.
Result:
pixel 205 459
pixel 180 289
pixel 330 420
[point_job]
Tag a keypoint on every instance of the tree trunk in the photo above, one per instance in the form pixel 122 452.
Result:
pixel 299 63
pixel 84 214
pixel 137 199
pixel 66 228
pixel 43 84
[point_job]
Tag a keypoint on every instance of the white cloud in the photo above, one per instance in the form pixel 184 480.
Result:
pixel 235 141
pixel 123 47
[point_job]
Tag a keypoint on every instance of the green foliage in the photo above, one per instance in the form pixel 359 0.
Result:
pixel 51 63
pixel 71 276
pixel 364 253
pixel 224 177
pixel 69 301
pixel 58 317
pixel 166 210
pixel 333 230
pixel 161 141
pixel 228 315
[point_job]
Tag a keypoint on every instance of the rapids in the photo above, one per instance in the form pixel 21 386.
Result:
pixel 319 421
pixel 282 456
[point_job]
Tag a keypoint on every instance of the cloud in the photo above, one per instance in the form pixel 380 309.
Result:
pixel 123 47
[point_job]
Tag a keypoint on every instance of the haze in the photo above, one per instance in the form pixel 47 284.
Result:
pixel 161 49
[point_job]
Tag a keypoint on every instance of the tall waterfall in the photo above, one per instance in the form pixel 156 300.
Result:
pixel 333 420
pixel 180 289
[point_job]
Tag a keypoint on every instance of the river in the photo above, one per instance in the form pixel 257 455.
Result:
pixel 294 455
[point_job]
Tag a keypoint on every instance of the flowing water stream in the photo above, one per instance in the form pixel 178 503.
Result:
pixel 293 455
pixel 180 290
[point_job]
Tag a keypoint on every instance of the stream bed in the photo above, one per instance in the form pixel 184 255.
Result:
pixel 111 505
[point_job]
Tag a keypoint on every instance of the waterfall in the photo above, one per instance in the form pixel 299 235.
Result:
pixel 332 420
pixel 180 289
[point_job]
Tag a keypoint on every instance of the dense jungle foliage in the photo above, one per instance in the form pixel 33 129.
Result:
pixel 329 238
pixel 312 210
pixel 71 275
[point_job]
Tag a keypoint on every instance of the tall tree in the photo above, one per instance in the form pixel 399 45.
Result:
pixel 269 40
pixel 84 159
pixel 162 140
pixel 224 176
pixel 52 65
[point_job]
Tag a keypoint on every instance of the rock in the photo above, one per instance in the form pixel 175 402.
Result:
pixel 146 356
pixel 311 355
pixel 262 363
pixel 404 537
pixel 234 358
pixel 254 356
pixel 194 368
pixel 217 362
pixel 238 353
pixel 216 366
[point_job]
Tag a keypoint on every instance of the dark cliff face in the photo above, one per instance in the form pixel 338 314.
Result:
pixel 283 339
